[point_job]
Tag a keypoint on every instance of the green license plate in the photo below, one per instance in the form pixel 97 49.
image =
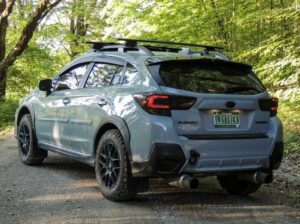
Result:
pixel 226 119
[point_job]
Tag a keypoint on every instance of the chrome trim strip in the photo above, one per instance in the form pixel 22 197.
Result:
pixel 75 121
pixel 46 119
pixel 54 119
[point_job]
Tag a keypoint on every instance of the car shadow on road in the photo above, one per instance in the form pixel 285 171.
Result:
pixel 208 193
pixel 60 163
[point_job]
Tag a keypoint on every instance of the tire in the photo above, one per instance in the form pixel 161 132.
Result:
pixel 112 167
pixel 232 185
pixel 29 153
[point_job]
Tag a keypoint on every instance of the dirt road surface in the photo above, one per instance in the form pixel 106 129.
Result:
pixel 65 191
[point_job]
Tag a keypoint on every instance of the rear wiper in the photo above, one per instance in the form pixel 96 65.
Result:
pixel 241 89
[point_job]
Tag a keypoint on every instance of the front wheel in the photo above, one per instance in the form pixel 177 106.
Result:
pixel 234 186
pixel 112 167
pixel 29 153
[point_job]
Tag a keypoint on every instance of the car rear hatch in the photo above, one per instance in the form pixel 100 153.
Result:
pixel 220 98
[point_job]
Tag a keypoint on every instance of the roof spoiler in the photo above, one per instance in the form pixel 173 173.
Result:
pixel 204 61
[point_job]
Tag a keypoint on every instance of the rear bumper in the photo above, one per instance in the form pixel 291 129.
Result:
pixel 224 153
pixel 170 160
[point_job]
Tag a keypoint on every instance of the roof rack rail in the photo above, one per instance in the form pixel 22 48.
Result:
pixel 133 42
pixel 112 46
pixel 99 45
pixel 132 45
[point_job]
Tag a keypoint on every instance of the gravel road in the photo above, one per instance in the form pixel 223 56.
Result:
pixel 65 191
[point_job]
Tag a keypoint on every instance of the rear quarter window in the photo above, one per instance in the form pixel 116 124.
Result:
pixel 130 74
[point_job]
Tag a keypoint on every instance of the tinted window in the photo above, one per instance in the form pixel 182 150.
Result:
pixel 101 75
pixel 205 76
pixel 117 79
pixel 130 74
pixel 71 79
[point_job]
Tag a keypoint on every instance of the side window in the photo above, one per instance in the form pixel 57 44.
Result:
pixel 117 79
pixel 130 74
pixel 101 75
pixel 71 79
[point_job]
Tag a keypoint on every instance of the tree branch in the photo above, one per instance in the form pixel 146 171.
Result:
pixel 41 11
pixel 6 10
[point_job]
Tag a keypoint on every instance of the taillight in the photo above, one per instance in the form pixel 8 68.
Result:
pixel 163 104
pixel 181 102
pixel 269 104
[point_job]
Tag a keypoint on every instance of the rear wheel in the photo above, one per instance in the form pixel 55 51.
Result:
pixel 234 186
pixel 112 167
pixel 29 153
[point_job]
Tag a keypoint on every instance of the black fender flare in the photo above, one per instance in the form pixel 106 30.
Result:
pixel 105 124
pixel 21 110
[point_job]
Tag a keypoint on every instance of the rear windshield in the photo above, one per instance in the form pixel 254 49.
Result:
pixel 208 76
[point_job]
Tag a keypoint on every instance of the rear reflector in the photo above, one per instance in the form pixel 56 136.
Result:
pixel 269 104
pixel 163 104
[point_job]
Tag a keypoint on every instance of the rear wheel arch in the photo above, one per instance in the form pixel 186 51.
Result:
pixel 113 122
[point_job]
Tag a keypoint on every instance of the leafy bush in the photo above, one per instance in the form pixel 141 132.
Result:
pixel 7 114
pixel 290 116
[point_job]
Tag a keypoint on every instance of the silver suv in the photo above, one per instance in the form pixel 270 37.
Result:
pixel 138 111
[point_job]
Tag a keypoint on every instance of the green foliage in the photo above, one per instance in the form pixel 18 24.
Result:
pixel 290 116
pixel 35 64
pixel 7 113
pixel 264 34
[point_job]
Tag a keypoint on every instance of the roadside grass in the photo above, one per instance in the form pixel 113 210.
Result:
pixel 289 113
pixel 7 115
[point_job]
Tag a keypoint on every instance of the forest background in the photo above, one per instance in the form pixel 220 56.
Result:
pixel 38 37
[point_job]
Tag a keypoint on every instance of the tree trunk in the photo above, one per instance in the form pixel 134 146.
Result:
pixel 220 22
pixel 78 26
pixel 5 11
pixel 40 12
pixel 3 75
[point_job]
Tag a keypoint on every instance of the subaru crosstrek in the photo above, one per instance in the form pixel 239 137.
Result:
pixel 138 111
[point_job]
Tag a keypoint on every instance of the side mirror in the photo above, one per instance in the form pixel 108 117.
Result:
pixel 45 85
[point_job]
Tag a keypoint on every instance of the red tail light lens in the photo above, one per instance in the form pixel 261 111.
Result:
pixel 156 102
pixel 270 104
pixel 163 104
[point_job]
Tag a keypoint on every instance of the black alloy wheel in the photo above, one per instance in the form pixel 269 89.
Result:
pixel 109 164
pixel 24 139
pixel 112 167
pixel 29 152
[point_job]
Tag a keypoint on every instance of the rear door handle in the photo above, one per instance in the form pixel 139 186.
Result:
pixel 66 100
pixel 102 102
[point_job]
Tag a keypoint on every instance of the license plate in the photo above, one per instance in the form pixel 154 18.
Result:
pixel 226 119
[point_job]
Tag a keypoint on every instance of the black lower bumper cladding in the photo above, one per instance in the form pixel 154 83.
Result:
pixel 277 155
pixel 165 159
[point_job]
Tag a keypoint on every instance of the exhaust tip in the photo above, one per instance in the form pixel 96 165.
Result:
pixel 261 177
pixel 269 179
pixel 194 183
